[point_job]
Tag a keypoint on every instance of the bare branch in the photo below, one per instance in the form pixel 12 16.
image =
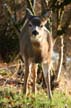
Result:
pixel 65 21
pixel 44 6
pixel 60 59
pixel 14 5
pixel 31 5
pixel 10 17
pixel 64 3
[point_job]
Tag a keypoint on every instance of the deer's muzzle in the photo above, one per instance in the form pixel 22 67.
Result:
pixel 35 32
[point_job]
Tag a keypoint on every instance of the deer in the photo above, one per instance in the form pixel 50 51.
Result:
pixel 36 46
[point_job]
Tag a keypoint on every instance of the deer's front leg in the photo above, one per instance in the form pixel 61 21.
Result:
pixel 34 72
pixel 46 72
pixel 26 76
pixel 33 76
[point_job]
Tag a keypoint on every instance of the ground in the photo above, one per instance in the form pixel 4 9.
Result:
pixel 11 91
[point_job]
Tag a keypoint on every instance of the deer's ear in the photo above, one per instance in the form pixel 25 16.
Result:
pixel 45 17
pixel 29 13
pixel 44 22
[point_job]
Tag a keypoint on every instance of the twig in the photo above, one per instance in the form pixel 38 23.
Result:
pixel 60 59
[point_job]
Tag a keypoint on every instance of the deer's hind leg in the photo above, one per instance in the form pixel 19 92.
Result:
pixel 46 72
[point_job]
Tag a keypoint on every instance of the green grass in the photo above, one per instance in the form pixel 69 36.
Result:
pixel 10 97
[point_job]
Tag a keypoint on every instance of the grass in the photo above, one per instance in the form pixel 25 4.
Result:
pixel 10 97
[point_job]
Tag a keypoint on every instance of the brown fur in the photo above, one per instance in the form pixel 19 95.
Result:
pixel 36 49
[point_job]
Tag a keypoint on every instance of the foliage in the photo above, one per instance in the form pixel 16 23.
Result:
pixel 9 46
pixel 10 97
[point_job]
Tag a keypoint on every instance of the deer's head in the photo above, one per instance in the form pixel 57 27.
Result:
pixel 35 23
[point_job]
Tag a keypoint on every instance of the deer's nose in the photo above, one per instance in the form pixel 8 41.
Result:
pixel 35 32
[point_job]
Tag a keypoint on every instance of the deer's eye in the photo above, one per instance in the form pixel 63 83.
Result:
pixel 41 25
pixel 30 25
